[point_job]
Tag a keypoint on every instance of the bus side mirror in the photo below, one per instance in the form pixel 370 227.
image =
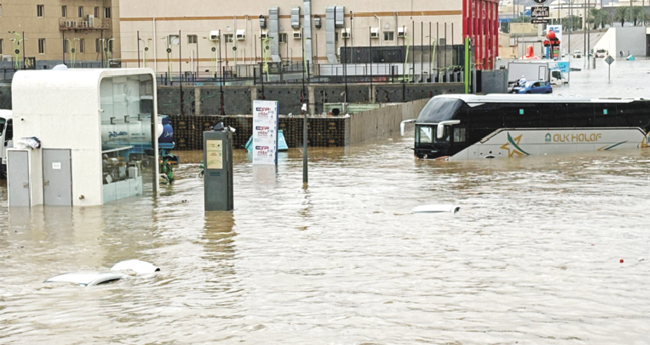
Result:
pixel 441 127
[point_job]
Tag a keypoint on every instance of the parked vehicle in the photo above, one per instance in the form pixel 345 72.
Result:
pixel 535 70
pixel 577 54
pixel 533 87
pixel 601 53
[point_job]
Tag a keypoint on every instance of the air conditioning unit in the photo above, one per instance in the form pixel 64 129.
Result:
pixel 297 35
pixel 6 58
pixel 84 24
pixel 241 35
pixel 401 32
pixel 73 23
pixel 265 34
pixel 345 33
pixel 91 20
pixel 374 33
pixel 67 24
pixel 214 35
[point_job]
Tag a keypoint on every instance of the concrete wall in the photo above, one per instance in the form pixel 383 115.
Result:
pixel 628 39
pixel 382 122
pixel 323 130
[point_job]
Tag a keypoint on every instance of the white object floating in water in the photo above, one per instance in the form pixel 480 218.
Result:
pixel 86 278
pixel 435 209
pixel 137 266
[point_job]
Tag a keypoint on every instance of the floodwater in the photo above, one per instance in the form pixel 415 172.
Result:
pixel 533 256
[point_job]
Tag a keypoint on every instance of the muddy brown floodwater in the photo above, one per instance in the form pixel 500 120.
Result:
pixel 533 257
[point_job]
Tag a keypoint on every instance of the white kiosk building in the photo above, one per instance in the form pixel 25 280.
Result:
pixel 83 137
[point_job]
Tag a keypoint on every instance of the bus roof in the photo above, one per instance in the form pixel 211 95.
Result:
pixel 477 100
pixel 5 114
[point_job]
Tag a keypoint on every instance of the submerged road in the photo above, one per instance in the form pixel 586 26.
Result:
pixel 533 256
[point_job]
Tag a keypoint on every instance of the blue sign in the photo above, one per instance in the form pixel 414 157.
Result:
pixel 564 66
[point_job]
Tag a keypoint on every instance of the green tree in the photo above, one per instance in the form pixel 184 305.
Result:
pixel 636 14
pixel 599 18
pixel 621 14
pixel 572 23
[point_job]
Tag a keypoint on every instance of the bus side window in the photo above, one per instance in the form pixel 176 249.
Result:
pixel 459 135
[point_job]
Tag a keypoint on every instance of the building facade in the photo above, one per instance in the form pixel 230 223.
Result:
pixel 59 30
pixel 209 35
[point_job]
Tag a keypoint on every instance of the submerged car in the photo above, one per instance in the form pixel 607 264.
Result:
pixel 577 54
pixel 601 53
pixel 533 87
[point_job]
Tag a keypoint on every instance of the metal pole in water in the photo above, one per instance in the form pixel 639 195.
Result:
pixel 467 71
pixel 305 154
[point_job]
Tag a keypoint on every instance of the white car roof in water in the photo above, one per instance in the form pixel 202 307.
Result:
pixel 476 100
pixel 86 278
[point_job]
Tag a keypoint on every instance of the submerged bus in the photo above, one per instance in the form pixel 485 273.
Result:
pixel 462 127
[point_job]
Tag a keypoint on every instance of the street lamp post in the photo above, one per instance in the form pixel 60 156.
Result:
pixel 16 41
pixel 169 57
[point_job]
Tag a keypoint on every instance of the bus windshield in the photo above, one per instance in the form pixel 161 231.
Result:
pixel 439 109
pixel 2 125
pixel 427 135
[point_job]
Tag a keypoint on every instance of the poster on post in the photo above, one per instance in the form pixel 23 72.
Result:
pixel 265 132
pixel 557 29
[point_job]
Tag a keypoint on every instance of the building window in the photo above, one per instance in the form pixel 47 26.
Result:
pixel 98 45
pixel 41 45
pixel 96 12
pixel 1 44
pixel 0 10
pixel 389 35
pixel 192 39
pixel 107 12
pixel 81 11
pixel 64 11
pixel 82 45
pixel 173 40
pixel 283 38
pixel 227 38
pixel 39 10
pixel 65 46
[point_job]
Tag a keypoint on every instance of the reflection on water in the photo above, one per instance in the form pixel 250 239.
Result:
pixel 533 256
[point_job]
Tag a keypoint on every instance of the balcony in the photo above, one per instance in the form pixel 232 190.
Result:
pixel 88 23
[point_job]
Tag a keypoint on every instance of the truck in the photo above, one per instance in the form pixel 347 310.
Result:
pixel 6 139
pixel 535 70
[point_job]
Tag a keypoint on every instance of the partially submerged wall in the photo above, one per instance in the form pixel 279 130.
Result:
pixel 323 130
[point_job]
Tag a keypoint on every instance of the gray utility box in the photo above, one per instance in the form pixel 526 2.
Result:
pixel 217 158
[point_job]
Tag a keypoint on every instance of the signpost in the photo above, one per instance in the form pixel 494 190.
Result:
pixel 610 60
pixel 265 132
pixel 540 12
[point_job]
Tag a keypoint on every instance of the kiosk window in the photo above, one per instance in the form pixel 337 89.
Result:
pixel 10 131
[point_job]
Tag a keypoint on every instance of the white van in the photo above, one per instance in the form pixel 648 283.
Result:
pixel 6 139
